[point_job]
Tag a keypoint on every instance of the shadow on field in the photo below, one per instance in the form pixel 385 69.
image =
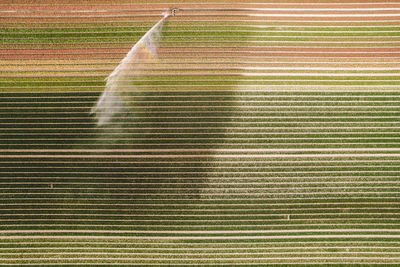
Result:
pixel 152 145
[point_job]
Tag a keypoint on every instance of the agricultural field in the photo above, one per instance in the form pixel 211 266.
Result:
pixel 266 132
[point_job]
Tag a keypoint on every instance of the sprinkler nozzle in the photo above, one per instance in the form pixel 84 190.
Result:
pixel 173 11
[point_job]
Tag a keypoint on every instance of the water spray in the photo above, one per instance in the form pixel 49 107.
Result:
pixel 112 101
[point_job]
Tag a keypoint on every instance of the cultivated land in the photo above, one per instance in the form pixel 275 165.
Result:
pixel 260 137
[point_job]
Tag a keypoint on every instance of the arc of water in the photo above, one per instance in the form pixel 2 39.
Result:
pixel 144 51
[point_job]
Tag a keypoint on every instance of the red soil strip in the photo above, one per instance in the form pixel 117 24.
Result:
pixel 188 18
pixel 155 2
pixel 129 6
pixel 191 13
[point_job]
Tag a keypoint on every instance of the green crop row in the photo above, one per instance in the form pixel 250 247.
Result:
pixel 171 27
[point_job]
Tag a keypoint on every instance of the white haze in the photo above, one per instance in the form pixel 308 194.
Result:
pixel 118 82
